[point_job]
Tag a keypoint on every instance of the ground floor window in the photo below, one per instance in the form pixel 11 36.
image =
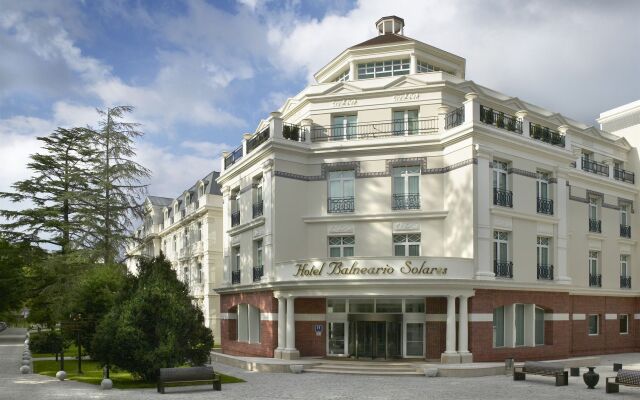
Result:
pixel 594 324
pixel 512 321
pixel 519 324
pixel 336 337
pixel 248 323
pixel 498 327
pixel 415 339
pixel 624 324
pixel 539 326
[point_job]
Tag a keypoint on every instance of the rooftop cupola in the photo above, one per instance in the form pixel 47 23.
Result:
pixel 390 24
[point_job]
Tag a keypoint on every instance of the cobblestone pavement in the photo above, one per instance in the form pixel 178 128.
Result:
pixel 13 385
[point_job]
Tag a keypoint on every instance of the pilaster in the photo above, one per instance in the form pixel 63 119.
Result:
pixel 522 116
pixel 471 108
pixel 483 190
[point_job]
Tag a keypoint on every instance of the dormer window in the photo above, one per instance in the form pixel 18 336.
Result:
pixel 379 69
pixel 343 77
pixel 201 190
pixel 422 67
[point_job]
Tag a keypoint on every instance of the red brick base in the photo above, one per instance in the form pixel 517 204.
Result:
pixel 563 338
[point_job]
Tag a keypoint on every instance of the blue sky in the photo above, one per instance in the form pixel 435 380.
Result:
pixel 201 73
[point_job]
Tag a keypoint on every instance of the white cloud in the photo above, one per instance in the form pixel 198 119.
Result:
pixel 205 149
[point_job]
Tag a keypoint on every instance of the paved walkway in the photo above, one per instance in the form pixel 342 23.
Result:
pixel 307 386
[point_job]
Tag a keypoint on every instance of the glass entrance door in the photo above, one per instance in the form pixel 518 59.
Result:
pixel 376 339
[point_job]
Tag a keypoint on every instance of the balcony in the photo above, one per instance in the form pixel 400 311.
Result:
pixel 258 271
pixel 624 176
pixel 235 218
pixel 258 208
pixel 595 225
pixel 595 167
pixel 503 269
pixel 233 157
pixel 454 118
pixel 544 134
pixel 545 272
pixel 405 201
pixel 197 248
pixel 502 198
pixel 625 231
pixel 184 253
pixel 625 282
pixel 595 280
pixel 500 120
pixel 293 132
pixel 235 277
pixel 545 206
pixel 374 130
pixel 340 204
pixel 257 140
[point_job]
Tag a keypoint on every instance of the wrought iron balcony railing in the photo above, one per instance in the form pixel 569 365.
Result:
pixel 625 231
pixel 258 271
pixel 595 167
pixel 545 272
pixel 233 157
pixel 503 269
pixel 340 204
pixel 502 198
pixel 258 208
pixel 545 206
pixel 235 218
pixel 454 118
pixel 625 176
pixel 500 119
pixel 257 140
pixel 595 280
pixel 625 282
pixel 403 201
pixel 546 135
pixel 373 130
pixel 235 277
pixel 595 225
pixel 293 132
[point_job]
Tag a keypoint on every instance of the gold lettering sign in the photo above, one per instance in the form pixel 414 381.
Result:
pixel 338 268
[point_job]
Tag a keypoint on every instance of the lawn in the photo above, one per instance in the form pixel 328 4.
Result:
pixel 70 351
pixel 93 374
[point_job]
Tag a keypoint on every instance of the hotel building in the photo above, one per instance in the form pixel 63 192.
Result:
pixel 187 230
pixel 395 209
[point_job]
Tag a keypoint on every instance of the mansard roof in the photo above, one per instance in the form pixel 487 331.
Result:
pixel 387 38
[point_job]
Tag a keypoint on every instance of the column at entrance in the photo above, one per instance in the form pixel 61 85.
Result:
pixel 451 356
pixel 290 352
pixel 282 327
pixel 463 331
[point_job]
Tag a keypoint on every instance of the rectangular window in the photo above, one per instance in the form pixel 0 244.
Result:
pixel 258 253
pixel 624 215
pixel 593 209
pixel 380 69
pixel 542 186
pixel 389 305
pixel 500 169
pixel 501 246
pixel 624 265
pixel 519 324
pixel 235 252
pixel 199 273
pixel 248 323
pixel 344 127
pixel 336 305
pixel 341 246
pixel 336 337
pixel 405 122
pixel 593 263
pixel 415 339
pixel 543 251
pixel 539 326
pixel 341 191
pixel 624 323
pixel 343 76
pixel 414 306
pixel 199 232
pixel 406 188
pixel 498 327
pixel 406 245
pixel 594 324
pixel 361 305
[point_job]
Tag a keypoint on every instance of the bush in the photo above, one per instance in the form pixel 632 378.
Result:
pixel 46 342
pixel 157 326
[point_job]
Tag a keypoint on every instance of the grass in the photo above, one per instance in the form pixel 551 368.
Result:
pixel 93 374
pixel 70 351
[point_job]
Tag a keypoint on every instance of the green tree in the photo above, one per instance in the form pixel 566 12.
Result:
pixel 117 180
pixel 157 326
pixel 14 262
pixel 50 197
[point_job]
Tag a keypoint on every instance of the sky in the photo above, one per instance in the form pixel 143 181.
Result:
pixel 201 73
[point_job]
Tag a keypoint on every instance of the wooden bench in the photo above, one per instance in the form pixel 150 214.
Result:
pixel 544 369
pixel 625 377
pixel 195 375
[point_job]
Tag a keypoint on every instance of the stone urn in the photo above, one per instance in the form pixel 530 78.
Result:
pixel 591 377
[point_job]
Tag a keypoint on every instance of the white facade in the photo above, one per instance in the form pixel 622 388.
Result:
pixel 391 178
pixel 187 230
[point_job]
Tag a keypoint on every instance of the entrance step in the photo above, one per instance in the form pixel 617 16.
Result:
pixel 365 368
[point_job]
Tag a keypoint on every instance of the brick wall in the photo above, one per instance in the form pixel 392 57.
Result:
pixel 307 342
pixel 435 331
pixel 268 329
